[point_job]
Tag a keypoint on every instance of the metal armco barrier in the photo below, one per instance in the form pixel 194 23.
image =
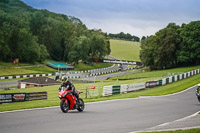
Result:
pixel 21 97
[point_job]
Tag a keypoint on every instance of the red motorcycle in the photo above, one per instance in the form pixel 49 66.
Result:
pixel 69 101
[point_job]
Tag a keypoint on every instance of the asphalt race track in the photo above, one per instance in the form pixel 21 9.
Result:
pixel 119 116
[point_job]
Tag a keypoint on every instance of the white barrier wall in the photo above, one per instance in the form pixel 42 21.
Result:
pixel 164 81
pixel 180 76
pixel 184 75
pixel 188 74
pixel 123 88
pixel 136 86
pixel 175 77
pixel 170 79
pixel 107 90
pixel 131 87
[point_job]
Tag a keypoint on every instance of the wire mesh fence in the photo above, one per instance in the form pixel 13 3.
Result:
pixel 91 91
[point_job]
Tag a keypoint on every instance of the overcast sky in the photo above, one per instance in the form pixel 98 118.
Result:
pixel 137 17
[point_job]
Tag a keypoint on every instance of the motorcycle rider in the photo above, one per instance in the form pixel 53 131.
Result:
pixel 71 87
pixel 198 92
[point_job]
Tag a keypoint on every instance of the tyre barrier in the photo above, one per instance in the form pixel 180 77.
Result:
pixel 76 75
pixel 118 89
pixel 27 76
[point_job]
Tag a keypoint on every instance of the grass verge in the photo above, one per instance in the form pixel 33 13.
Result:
pixel 195 130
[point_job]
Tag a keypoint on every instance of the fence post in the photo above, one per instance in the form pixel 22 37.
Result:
pixel 86 93
pixel 99 90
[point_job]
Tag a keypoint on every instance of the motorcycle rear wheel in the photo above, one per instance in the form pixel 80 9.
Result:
pixel 81 106
pixel 64 106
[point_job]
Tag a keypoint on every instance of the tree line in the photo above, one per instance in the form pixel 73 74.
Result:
pixel 172 46
pixel 34 35
pixel 124 36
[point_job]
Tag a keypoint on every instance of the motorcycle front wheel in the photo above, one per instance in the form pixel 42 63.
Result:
pixel 81 106
pixel 64 106
pixel 198 98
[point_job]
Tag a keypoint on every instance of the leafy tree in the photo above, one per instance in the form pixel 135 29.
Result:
pixel 38 22
pixel 167 40
pixel 43 53
pixel 5 35
pixel 73 57
pixel 80 50
pixel 5 1
pixel 147 51
pixel 189 52
pixel 160 51
pixel 124 36
pixel 27 47
pixel 98 46
pixel 5 51
pixel 143 38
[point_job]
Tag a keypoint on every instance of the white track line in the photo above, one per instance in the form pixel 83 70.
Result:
pixel 167 123
pixel 29 109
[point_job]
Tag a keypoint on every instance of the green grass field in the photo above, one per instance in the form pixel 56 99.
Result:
pixel 125 50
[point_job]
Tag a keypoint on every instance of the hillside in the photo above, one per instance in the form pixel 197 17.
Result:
pixel 125 50
pixel 32 35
